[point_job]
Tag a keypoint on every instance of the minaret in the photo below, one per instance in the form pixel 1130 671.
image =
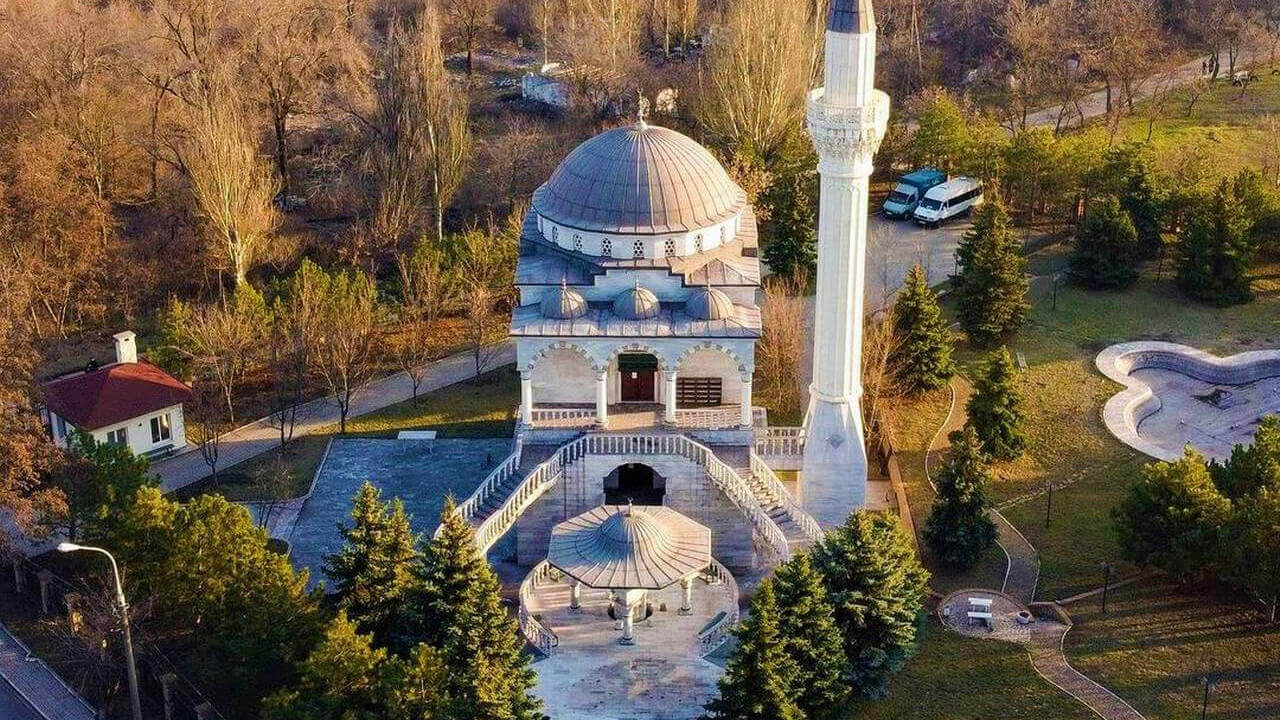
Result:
pixel 847 120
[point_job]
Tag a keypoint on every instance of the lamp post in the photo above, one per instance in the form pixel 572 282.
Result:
pixel 1204 708
pixel 132 669
pixel 1048 506
pixel 1106 583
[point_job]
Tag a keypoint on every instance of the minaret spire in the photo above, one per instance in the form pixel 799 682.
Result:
pixel 847 119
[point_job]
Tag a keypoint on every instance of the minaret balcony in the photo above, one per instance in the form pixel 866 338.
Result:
pixel 847 133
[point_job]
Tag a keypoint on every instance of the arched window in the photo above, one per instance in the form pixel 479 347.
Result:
pixel 555 234
pixel 697 243
pixel 637 251
pixel 724 234
pixel 606 247
pixel 577 243
pixel 669 247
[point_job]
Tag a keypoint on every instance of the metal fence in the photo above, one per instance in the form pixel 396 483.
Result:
pixel 163 688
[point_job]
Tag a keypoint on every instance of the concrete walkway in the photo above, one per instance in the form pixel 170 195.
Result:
pixel 260 436
pixel 1022 576
pixel 1095 103
pixel 40 693
pixel 1049 660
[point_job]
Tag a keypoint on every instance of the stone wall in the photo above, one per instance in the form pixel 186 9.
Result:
pixel 688 491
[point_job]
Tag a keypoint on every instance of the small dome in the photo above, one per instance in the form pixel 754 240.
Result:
pixel 708 303
pixel 630 533
pixel 563 303
pixel 636 303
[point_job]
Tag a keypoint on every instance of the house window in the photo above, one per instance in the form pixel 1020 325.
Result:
pixel 118 437
pixel 638 250
pixel 59 426
pixel 606 247
pixel 669 247
pixel 160 428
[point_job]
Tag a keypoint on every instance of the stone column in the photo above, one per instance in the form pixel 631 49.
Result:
pixel 745 419
pixel 575 596
pixel 629 600
pixel 686 607
pixel 45 577
pixel 602 397
pixel 669 392
pixel 526 396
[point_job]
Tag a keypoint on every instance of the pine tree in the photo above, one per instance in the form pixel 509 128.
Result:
pixel 877 589
pixel 456 607
pixel 1251 467
pixel 759 682
pixel 1171 517
pixel 959 530
pixel 1146 204
pixel 1106 248
pixel 811 639
pixel 1252 546
pixel 991 287
pixel 922 359
pixel 1215 252
pixel 373 569
pixel 340 679
pixel 995 408
pixel 794 246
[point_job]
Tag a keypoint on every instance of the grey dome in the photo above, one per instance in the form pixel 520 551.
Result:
pixel 708 303
pixel 621 547
pixel 639 179
pixel 563 303
pixel 636 303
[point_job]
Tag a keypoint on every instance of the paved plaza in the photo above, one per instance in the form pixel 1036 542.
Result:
pixel 661 677
pixel 421 473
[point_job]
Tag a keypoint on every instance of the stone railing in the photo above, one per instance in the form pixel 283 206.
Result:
pixel 780 441
pixel 564 416
pixel 714 635
pixel 774 487
pixel 494 480
pixel 548 473
pixel 534 630
pixel 719 417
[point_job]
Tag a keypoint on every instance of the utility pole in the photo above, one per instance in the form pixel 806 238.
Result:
pixel 135 703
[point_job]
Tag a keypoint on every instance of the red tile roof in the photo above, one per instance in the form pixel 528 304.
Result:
pixel 113 394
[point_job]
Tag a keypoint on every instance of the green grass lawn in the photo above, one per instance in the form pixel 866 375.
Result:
pixel 484 407
pixel 1157 641
pixel 959 678
pixel 1223 132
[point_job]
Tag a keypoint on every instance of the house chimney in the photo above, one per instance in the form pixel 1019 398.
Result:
pixel 126 347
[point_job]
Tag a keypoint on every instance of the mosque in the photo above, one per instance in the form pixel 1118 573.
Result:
pixel 643 490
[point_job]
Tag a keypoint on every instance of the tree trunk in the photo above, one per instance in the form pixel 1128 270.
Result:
pixel 282 155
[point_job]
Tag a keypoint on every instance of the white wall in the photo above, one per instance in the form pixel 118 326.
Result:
pixel 140 431
pixel 651 246
pixel 563 376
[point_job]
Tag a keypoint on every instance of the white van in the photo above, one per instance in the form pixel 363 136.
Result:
pixel 945 201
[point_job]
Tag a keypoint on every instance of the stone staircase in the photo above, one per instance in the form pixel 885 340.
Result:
pixel 777 511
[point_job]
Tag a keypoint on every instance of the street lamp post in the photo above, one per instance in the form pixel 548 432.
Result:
pixel 1106 583
pixel 131 668
pixel 1204 709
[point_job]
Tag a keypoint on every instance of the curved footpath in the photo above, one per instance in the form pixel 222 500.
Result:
pixel 1021 578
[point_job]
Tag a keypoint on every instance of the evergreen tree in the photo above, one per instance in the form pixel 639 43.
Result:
pixel 373 569
pixel 341 678
pixel 1144 200
pixel 1260 201
pixel 97 480
pixel 759 681
pixel 1170 518
pixel 456 607
pixel 922 359
pixel 1251 467
pixel 811 639
pixel 991 287
pixel 959 530
pixel 995 408
pixel 1106 247
pixel 1215 252
pixel 877 589
pixel 1252 546
pixel 793 247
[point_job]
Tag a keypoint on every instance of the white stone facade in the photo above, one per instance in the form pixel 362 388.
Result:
pixel 160 431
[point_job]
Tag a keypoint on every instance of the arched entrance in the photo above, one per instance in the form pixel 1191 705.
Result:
pixel 638 373
pixel 636 483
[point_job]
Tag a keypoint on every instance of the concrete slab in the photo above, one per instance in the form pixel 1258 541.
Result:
pixel 591 677
pixel 419 475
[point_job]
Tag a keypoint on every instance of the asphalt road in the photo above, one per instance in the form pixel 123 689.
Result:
pixel 893 246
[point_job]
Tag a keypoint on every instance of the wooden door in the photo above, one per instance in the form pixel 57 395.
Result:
pixel 637 385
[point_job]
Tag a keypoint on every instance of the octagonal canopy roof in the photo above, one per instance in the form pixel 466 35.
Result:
pixel 624 547
pixel 639 179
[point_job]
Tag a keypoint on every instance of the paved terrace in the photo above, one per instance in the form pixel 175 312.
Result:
pixel 662 677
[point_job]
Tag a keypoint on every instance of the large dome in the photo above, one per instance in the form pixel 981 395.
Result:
pixel 639 179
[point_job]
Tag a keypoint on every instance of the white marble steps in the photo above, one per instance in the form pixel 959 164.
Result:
pixel 530 457
pixel 776 510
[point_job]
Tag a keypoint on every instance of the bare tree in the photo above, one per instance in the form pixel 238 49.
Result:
pixel 1195 90
pixel 207 421
pixel 1124 39
pixel 486 265
pixel 468 20
pixel 879 385
pixel 233 189
pixel 428 290
pixel 784 317
pixel 275 481
pixel 223 339
pixel 345 348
